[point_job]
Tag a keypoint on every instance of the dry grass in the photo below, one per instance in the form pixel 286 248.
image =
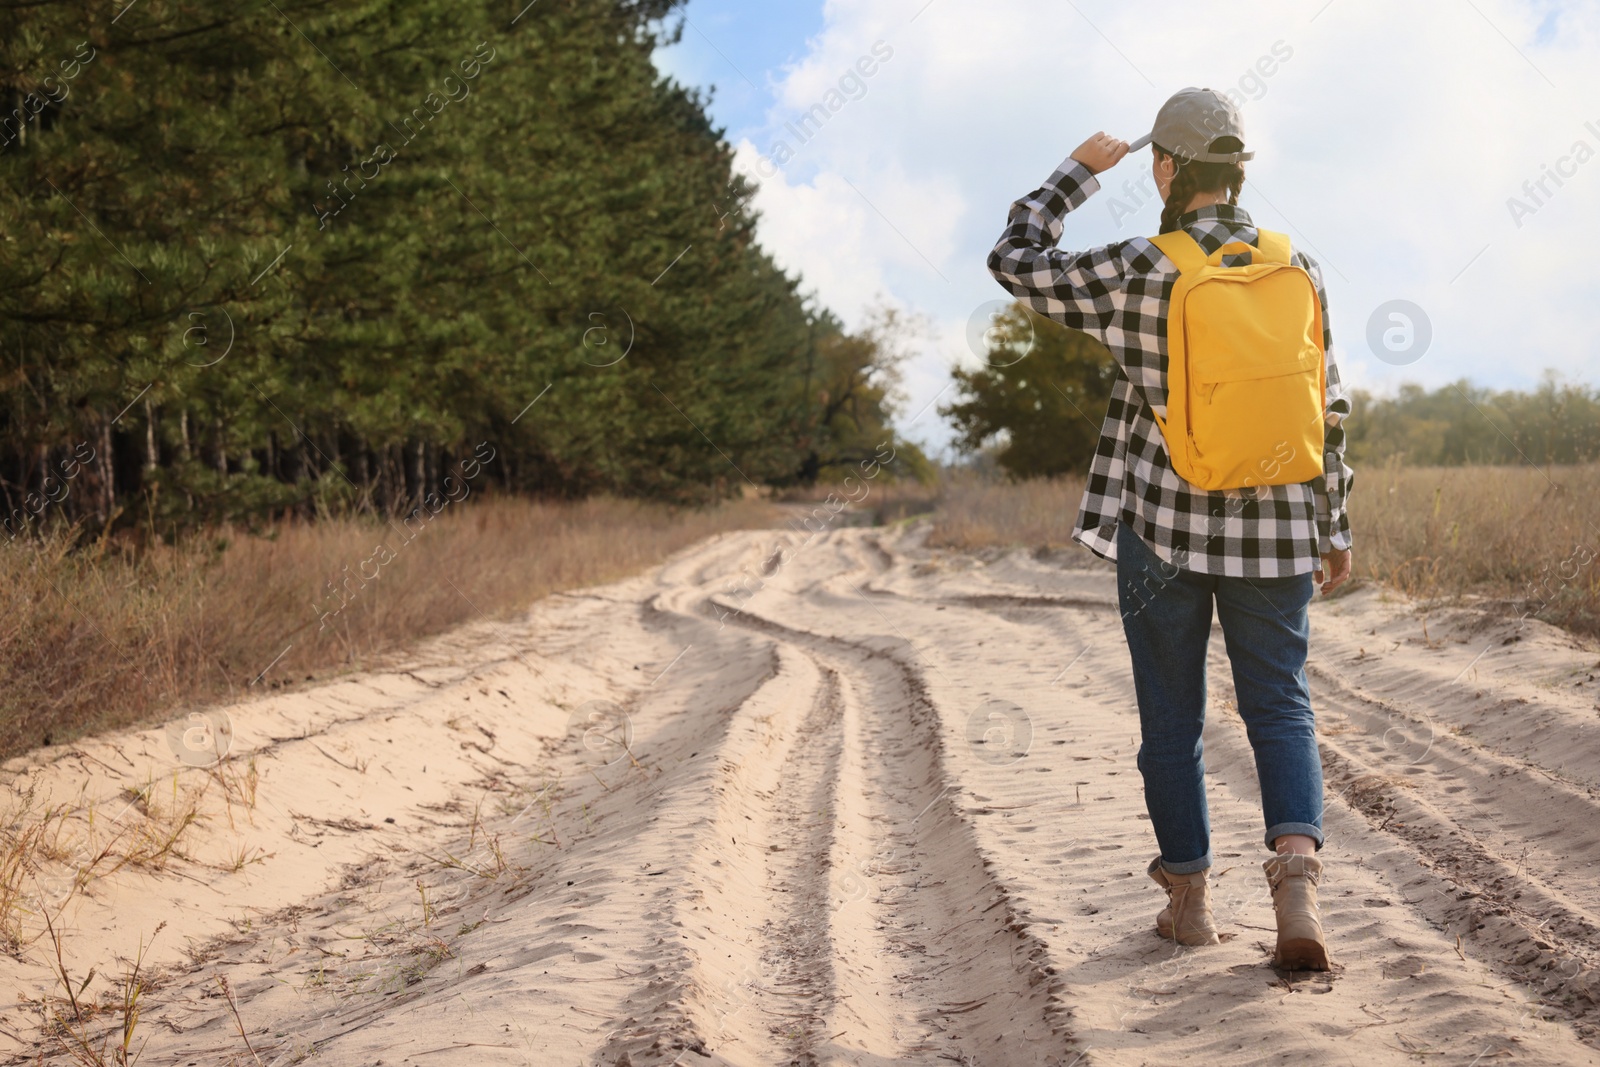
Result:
pixel 122 633
pixel 51 852
pixel 1525 538
pixel 72 1036
pixel 1038 513
pixel 870 501
pixel 1528 537
pixel 24 841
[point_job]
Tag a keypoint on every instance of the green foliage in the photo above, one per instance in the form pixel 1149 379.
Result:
pixel 310 256
pixel 1037 411
pixel 854 383
pixel 1462 423
pixel 1039 405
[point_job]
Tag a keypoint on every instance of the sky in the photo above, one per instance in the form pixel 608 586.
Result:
pixel 1441 161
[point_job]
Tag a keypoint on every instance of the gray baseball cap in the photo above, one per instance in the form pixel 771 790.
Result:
pixel 1188 123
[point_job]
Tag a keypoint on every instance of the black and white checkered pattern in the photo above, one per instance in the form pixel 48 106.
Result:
pixel 1119 294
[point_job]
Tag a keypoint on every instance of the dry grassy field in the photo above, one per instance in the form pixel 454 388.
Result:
pixel 1524 537
pixel 121 633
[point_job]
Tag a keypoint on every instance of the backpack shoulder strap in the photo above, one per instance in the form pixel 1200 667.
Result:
pixel 1182 249
pixel 1274 246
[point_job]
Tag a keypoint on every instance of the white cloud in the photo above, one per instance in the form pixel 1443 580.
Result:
pixel 846 235
pixel 1388 142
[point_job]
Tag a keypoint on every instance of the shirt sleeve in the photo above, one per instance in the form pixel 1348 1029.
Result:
pixel 1333 488
pixel 1073 288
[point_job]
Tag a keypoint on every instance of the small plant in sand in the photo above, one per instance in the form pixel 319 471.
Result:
pixel 16 852
pixel 28 839
pixel 432 952
pixel 242 857
pixel 74 992
pixel 233 1006
pixel 542 806
pixel 46 857
pixel 154 841
pixel 427 905
pixel 238 786
pixel 487 861
pixel 72 1036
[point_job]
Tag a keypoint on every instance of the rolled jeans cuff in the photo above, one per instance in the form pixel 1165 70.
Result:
pixel 1189 866
pixel 1275 832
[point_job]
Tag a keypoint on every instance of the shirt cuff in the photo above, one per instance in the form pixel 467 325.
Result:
pixel 1071 183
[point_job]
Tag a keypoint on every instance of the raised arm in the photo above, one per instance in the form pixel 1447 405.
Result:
pixel 1073 288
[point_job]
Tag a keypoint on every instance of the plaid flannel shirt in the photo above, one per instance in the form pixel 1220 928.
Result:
pixel 1119 294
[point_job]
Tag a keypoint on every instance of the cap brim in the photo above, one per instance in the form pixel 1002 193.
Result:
pixel 1134 146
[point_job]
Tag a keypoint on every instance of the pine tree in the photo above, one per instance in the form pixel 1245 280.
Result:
pixel 313 257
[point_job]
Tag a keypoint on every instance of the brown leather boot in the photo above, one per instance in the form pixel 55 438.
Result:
pixel 1187 917
pixel 1293 879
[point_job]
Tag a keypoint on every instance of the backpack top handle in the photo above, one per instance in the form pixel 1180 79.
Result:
pixel 1187 253
pixel 1273 248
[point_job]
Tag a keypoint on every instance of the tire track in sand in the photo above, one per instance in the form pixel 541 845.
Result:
pixel 879 934
pixel 952 972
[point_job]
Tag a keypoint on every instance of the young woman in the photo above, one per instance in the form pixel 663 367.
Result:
pixel 1254 552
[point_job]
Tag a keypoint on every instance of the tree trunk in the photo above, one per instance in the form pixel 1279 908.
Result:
pixel 363 478
pixel 108 468
pixel 152 457
pixel 419 467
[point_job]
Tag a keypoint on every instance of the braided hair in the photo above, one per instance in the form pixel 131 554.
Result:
pixel 1193 177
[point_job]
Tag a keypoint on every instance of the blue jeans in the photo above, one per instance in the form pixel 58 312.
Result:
pixel 1166 614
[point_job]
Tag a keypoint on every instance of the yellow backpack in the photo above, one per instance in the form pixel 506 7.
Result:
pixel 1246 378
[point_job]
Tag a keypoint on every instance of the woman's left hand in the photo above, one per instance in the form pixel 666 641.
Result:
pixel 1334 570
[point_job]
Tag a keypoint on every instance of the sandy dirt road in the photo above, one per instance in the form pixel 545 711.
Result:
pixel 838 799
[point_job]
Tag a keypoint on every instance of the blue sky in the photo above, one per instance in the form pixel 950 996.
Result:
pixel 1394 143
pixel 741 49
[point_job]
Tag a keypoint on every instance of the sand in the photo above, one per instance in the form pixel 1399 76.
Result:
pixel 831 799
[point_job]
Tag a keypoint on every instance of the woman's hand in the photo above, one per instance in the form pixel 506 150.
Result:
pixel 1334 569
pixel 1100 152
